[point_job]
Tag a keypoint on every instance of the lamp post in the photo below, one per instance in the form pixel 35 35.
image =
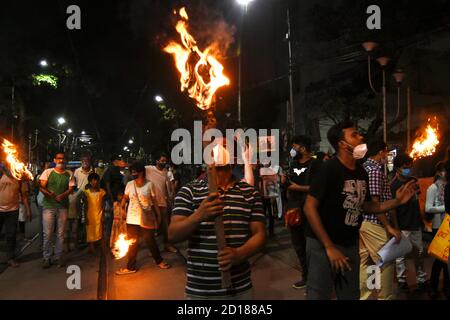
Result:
pixel 370 46
pixel 383 61
pixel 244 4
pixel 399 76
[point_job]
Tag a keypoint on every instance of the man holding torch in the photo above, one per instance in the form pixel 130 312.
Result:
pixel 11 190
pixel 194 214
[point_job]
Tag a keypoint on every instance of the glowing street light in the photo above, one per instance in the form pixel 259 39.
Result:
pixel 69 130
pixel 159 99
pixel 43 63
pixel 244 3
pixel 61 120
pixel 83 132
pixel 130 141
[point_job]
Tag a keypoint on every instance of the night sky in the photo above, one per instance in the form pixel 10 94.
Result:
pixel 111 69
pixel 115 63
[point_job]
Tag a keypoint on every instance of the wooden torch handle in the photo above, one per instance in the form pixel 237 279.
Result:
pixel 219 227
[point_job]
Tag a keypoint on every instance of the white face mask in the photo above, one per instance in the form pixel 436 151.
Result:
pixel 293 153
pixel 60 165
pixel 359 151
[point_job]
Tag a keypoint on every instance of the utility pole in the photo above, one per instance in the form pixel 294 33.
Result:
pixel 291 72
pixel 408 121
pixel 13 111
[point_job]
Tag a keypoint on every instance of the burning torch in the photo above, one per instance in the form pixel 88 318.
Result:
pixel 201 75
pixel 17 168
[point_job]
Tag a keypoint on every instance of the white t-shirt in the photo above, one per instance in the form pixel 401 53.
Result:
pixel 134 211
pixel 9 193
pixel 81 177
pixel 160 180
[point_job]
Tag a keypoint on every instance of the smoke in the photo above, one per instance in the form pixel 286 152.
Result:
pixel 206 24
pixel 219 36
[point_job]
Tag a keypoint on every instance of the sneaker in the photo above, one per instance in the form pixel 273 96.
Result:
pixel 13 263
pixel 46 264
pixel 124 271
pixel 299 284
pixel 170 248
pixel 60 263
pixel 422 287
pixel 164 265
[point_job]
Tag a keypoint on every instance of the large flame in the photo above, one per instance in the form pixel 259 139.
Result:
pixel 17 168
pixel 121 246
pixel 427 141
pixel 201 74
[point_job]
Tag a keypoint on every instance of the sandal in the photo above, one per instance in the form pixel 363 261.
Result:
pixel 123 271
pixel 12 263
pixel 164 265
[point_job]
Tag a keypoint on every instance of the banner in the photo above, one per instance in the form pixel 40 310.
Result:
pixel 440 245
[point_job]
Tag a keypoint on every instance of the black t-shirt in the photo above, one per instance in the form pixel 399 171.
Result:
pixel 341 193
pixel 115 178
pixel 301 174
pixel 408 214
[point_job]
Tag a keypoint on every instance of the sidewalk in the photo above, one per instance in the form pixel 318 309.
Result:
pixel 273 273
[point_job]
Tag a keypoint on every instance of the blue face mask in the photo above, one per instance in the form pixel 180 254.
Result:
pixel 406 172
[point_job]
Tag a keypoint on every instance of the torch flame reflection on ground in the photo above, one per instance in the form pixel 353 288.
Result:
pixel 121 246
pixel 201 74
pixel 17 168
pixel 427 141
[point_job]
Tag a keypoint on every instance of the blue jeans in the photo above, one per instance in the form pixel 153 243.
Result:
pixel 49 217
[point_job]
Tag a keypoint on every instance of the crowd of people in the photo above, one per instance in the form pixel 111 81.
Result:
pixel 340 211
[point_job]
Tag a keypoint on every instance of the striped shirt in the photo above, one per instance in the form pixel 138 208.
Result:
pixel 378 185
pixel 242 205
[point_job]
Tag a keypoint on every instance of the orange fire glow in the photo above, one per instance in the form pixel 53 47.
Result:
pixel 121 246
pixel 201 74
pixel 17 168
pixel 426 142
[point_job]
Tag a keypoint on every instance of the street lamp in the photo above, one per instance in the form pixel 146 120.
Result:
pixel 61 121
pixel 43 63
pixel 244 4
pixel 69 130
pixel 130 141
pixel 83 132
pixel 399 76
pixel 159 99
pixel 369 47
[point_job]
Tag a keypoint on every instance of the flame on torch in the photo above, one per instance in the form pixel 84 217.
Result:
pixel 427 141
pixel 201 74
pixel 17 168
pixel 121 246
